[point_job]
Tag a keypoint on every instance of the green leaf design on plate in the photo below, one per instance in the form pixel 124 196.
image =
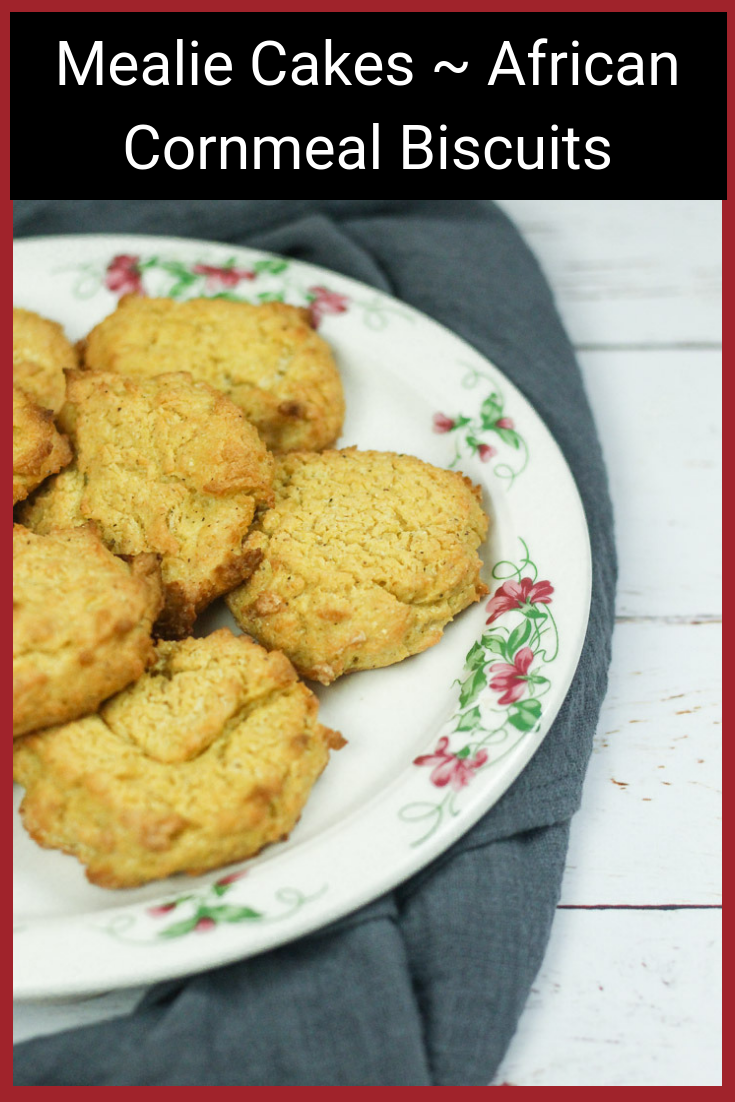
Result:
pixel 517 638
pixel 490 410
pixel 525 715
pixel 209 916
pixel 469 720
pixel 178 929
pixel 205 913
pixel 181 286
pixel 475 656
pixel 472 687
pixel 508 436
pixel 230 913
pixel 175 268
pixel 273 267
pixel 469 435
pixel 491 729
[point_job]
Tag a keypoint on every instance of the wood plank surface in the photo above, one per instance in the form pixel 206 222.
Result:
pixel 629 272
pixel 658 414
pixel 623 998
pixel 630 997
pixel 648 831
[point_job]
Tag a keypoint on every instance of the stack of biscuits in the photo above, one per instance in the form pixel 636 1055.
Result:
pixel 181 453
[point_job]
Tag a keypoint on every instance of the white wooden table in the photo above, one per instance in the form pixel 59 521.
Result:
pixel 629 991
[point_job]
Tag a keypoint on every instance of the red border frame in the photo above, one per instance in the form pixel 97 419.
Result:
pixel 421 6
pixel 337 6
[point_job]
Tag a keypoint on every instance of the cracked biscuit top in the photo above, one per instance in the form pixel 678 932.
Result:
pixel 211 755
pixel 266 358
pixel 38 449
pixel 165 465
pixel 365 557
pixel 82 622
pixel 41 354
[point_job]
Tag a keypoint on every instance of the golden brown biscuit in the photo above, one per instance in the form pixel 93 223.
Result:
pixel 166 465
pixel 38 449
pixel 366 556
pixel 266 358
pixel 206 759
pixel 82 624
pixel 41 353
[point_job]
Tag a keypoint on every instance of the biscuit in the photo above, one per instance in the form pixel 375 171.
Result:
pixel 210 756
pixel 38 449
pixel 82 624
pixel 366 556
pixel 41 354
pixel 266 358
pixel 166 465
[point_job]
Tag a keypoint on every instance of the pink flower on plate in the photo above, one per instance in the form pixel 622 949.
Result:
pixel 123 277
pixel 511 680
pixel 442 423
pixel 516 594
pixel 220 279
pixel 205 923
pixel 486 452
pixel 161 909
pixel 449 768
pixel 325 302
pixel 504 423
pixel 230 878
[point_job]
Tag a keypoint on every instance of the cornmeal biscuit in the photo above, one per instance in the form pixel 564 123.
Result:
pixel 38 449
pixel 206 759
pixel 266 358
pixel 166 465
pixel 41 353
pixel 82 624
pixel 366 556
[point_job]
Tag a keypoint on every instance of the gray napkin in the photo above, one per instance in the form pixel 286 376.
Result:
pixel 423 987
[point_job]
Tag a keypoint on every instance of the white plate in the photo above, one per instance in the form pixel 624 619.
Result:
pixel 430 745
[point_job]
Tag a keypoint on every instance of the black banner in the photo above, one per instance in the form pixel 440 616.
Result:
pixel 601 103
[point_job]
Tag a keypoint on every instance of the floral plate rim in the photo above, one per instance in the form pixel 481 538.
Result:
pixel 508 693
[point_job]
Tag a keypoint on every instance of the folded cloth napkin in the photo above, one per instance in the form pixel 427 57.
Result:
pixel 423 987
